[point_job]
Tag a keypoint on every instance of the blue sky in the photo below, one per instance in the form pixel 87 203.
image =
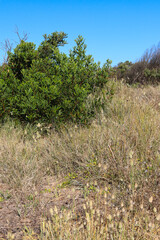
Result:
pixel 119 30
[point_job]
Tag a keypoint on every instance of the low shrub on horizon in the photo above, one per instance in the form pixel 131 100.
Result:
pixel 144 71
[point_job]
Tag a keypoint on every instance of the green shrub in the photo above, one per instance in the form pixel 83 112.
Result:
pixel 122 69
pixel 8 91
pixel 47 85
pixel 152 75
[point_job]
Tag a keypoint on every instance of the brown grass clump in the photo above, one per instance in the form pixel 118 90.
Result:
pixel 96 182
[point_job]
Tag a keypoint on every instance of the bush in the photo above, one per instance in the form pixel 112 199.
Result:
pixel 8 91
pixel 122 68
pixel 146 70
pixel 47 85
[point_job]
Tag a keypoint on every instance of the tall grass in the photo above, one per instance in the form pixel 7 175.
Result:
pixel 115 162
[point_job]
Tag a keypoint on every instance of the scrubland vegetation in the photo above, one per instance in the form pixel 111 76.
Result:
pixel 144 71
pixel 89 172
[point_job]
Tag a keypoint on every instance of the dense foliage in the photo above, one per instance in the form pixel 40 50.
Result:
pixel 122 68
pixel 44 84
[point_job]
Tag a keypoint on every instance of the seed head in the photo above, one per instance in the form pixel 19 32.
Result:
pixel 51 211
pixel 113 197
pixel 56 210
pixel 109 217
pixel 136 185
pixel 141 206
pixel 122 204
pixel 158 217
pixel 151 199
pixel 91 205
pixel 154 210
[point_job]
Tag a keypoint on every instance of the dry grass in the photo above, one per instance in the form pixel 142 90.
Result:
pixel 114 163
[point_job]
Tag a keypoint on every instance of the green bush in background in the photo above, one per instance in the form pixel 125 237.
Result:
pixel 144 71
